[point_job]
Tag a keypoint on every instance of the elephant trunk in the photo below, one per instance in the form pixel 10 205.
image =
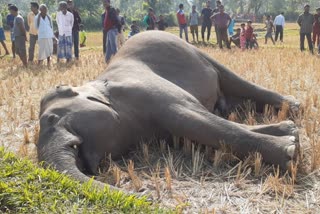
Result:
pixel 60 150
pixel 66 162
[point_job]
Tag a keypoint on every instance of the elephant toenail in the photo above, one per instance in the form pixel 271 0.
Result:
pixel 291 150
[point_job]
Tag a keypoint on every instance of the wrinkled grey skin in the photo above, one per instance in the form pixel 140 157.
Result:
pixel 157 85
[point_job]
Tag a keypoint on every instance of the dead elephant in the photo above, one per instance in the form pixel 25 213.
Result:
pixel 157 85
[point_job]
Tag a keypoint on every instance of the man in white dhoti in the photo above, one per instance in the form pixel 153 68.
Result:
pixel 43 22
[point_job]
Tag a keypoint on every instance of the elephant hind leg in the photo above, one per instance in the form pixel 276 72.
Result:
pixel 234 86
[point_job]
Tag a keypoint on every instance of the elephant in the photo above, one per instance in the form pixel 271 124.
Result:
pixel 157 85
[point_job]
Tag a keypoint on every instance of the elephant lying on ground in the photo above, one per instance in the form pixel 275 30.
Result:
pixel 157 85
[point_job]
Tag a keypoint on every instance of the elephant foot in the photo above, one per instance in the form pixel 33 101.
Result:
pixel 288 128
pixel 284 128
pixel 284 152
pixel 294 104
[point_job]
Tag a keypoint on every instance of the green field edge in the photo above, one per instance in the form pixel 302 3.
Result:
pixel 27 188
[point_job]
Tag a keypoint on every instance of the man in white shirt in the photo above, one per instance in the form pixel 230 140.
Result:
pixel 65 21
pixel 279 22
pixel 43 23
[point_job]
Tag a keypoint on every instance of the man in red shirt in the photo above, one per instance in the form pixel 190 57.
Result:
pixel 112 27
pixel 316 28
pixel 182 20
pixel 222 21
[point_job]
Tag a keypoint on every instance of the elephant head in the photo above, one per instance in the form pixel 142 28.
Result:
pixel 75 122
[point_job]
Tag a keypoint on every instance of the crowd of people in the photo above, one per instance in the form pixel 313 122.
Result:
pixel 70 35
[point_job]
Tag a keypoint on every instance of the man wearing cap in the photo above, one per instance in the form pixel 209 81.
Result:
pixel 65 23
pixel 33 32
pixel 222 21
pixel 305 21
pixel 279 22
pixel 43 23
pixel 75 28
pixel 112 27
pixel 316 28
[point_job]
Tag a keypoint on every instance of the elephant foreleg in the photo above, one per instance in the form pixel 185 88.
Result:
pixel 196 123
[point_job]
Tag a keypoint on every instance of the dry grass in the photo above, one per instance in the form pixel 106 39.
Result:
pixel 184 176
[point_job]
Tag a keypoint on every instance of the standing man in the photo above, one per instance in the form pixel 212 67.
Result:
pixel 122 22
pixel 112 27
pixel 194 22
pixel 279 22
pixel 3 37
pixel 150 19
pixel 215 11
pixel 222 21
pixel 75 28
pixel 44 25
pixel 182 20
pixel 10 21
pixel 33 32
pixel 20 35
pixel 305 21
pixel 270 29
pixel 316 28
pixel 104 39
pixel 206 13
pixel 65 23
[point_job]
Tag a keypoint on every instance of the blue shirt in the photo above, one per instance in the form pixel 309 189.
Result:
pixel 230 28
pixel 10 20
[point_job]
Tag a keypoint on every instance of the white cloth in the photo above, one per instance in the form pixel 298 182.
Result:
pixel 45 30
pixel 279 20
pixel 65 23
pixel 45 48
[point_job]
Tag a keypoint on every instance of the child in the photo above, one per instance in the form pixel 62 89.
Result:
pixel 55 42
pixel 83 37
pixel 243 39
pixel 270 29
pixel 162 25
pixel 134 29
pixel 249 35
pixel 194 22
pixel 236 38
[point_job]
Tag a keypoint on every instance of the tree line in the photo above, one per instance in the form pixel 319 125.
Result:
pixel 91 10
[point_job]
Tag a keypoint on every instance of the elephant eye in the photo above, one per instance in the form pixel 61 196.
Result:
pixel 52 119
